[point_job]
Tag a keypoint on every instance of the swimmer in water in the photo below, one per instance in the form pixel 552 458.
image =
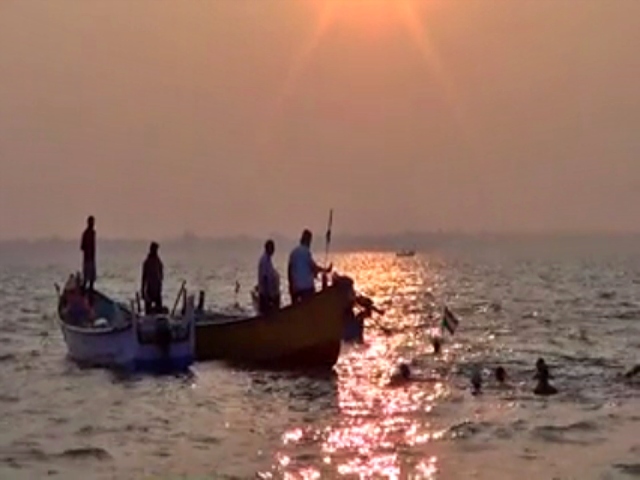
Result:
pixel 476 381
pixel 436 342
pixel 543 376
pixel 501 376
pixel 401 375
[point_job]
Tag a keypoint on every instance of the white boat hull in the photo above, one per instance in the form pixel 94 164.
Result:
pixel 109 349
pixel 131 342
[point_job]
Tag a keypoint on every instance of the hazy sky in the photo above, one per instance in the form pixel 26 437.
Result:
pixel 254 116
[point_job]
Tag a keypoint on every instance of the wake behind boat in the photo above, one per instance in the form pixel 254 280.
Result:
pixel 111 335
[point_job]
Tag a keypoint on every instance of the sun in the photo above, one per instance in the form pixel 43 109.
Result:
pixel 372 19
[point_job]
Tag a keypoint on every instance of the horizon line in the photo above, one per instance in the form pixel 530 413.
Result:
pixel 246 237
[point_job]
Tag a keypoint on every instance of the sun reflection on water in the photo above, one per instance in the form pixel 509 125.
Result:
pixel 380 431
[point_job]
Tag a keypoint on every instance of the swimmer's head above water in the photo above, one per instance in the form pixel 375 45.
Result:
pixel 543 376
pixel 400 375
pixel 404 371
pixel 476 380
pixel 436 342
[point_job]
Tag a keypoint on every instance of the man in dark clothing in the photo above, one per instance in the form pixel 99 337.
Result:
pixel 152 277
pixel 88 247
pixel 268 281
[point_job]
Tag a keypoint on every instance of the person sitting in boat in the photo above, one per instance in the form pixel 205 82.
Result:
pixel 268 281
pixel 302 269
pixel 77 307
pixel 152 277
pixel 79 310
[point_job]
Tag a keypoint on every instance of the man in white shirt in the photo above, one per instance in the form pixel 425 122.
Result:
pixel 268 281
pixel 303 269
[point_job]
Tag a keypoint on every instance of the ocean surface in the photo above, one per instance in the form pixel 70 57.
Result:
pixel 577 304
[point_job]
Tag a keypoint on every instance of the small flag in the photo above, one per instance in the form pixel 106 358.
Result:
pixel 449 321
pixel 328 236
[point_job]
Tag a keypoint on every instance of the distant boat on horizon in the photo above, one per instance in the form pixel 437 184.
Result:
pixel 406 253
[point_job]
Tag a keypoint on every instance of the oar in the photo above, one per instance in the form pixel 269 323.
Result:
pixel 138 304
pixel 367 303
pixel 389 331
pixel 175 305
pixel 386 330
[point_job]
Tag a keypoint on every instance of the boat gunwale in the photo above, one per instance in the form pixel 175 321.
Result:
pixel 224 320
pixel 131 318
pixel 97 331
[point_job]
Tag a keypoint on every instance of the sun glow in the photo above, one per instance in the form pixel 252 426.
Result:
pixel 372 16
pixel 376 430
pixel 373 20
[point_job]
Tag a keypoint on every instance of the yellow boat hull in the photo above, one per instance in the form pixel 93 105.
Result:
pixel 304 335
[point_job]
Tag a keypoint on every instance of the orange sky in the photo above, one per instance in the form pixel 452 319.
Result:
pixel 247 116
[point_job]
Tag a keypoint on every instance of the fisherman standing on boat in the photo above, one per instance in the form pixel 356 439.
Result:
pixel 302 270
pixel 152 277
pixel 88 247
pixel 268 281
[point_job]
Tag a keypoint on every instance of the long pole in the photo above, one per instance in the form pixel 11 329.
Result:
pixel 327 243
pixel 180 292
pixel 328 238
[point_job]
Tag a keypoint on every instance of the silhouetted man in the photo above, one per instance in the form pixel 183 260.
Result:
pixel 152 277
pixel 268 281
pixel 88 247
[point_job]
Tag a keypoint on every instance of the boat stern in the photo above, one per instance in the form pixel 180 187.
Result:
pixel 166 343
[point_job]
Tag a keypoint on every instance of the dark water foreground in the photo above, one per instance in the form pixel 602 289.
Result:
pixel 580 312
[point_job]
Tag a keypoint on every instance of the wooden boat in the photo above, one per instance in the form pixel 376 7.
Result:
pixel 305 335
pixel 111 335
pixel 406 253
pixel 109 341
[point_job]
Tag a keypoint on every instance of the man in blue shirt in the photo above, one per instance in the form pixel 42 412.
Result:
pixel 303 269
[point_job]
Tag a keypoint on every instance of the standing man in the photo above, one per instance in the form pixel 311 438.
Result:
pixel 268 281
pixel 303 269
pixel 88 247
pixel 152 277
